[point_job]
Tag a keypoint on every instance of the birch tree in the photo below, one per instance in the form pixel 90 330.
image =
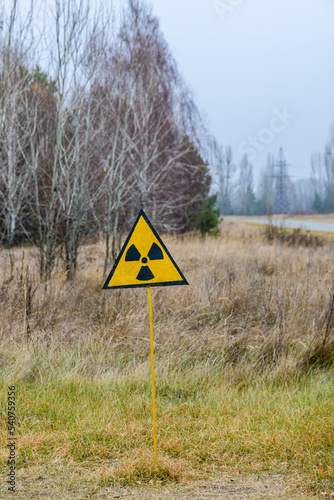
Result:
pixel 62 200
pixel 245 187
pixel 102 126
pixel 225 169
pixel 15 42
pixel 266 187
pixel 163 126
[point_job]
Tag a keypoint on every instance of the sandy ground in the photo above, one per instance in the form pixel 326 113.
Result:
pixel 70 484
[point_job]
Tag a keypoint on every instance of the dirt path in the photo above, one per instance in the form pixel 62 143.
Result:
pixel 63 484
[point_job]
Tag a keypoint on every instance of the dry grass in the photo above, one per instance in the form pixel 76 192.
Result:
pixel 243 294
pixel 74 483
pixel 244 359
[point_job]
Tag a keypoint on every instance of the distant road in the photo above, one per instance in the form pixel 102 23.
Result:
pixel 326 227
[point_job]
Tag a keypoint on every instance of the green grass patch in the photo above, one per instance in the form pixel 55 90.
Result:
pixel 208 421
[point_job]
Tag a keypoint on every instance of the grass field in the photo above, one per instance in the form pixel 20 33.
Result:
pixel 244 368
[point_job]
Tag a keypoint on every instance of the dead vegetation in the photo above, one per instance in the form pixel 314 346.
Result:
pixel 294 237
pixel 248 301
pixel 244 364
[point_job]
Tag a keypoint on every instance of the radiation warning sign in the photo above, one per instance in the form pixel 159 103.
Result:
pixel 144 260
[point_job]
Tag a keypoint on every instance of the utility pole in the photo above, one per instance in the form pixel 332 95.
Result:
pixel 280 169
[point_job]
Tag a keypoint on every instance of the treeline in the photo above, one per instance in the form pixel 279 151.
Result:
pixel 238 194
pixel 322 177
pixel 95 123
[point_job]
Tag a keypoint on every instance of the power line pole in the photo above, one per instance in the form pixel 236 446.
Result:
pixel 282 184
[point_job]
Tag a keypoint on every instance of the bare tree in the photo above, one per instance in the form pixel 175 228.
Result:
pixel 15 40
pixel 149 117
pixel 266 187
pixel 322 177
pixel 329 172
pixel 245 187
pixel 116 85
pixel 164 125
pixel 106 127
pixel 61 198
pixel 302 195
pixel 225 169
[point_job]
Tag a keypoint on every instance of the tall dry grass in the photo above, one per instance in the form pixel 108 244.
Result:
pixel 244 358
pixel 249 303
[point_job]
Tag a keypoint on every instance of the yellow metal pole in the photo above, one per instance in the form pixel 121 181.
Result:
pixel 152 378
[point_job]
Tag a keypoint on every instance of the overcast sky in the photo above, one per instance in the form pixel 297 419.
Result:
pixel 262 72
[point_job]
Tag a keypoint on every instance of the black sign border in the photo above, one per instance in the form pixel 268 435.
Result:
pixel 143 285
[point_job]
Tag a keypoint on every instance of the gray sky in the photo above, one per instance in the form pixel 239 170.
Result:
pixel 262 72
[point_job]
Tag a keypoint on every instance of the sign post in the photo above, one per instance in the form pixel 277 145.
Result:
pixel 144 261
pixel 152 378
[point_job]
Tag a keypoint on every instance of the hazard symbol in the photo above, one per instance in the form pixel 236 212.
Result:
pixel 144 261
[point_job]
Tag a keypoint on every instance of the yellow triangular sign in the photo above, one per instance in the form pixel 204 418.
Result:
pixel 144 260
